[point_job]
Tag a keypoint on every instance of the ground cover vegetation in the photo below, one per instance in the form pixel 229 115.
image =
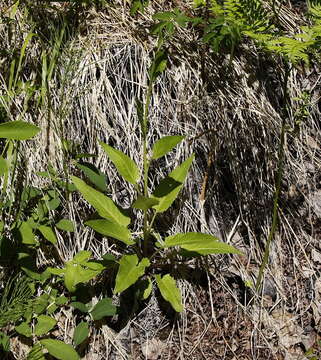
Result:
pixel 160 179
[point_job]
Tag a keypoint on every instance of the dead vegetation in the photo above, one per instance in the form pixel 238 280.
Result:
pixel 231 116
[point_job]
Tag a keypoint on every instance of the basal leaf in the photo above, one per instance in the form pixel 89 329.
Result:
pixel 165 145
pixel 130 270
pixel 103 308
pixel 81 333
pixel 200 243
pixel 45 324
pixel 24 329
pixel 123 163
pixel 48 233
pixel 26 233
pixel 82 257
pixel 65 225
pixel 59 349
pixel 105 207
pixel 108 228
pixel 170 292
pixel 168 189
pixel 71 276
pixel 144 203
pixel 18 130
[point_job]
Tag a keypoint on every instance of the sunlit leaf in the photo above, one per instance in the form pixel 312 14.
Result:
pixel 123 163
pixel 59 349
pixel 168 189
pixel 170 292
pixel 130 270
pixel 108 228
pixel 18 130
pixel 48 233
pixel 165 145
pixel 81 333
pixel 65 225
pixel 105 207
pixel 144 203
pixel 200 243
pixel 44 324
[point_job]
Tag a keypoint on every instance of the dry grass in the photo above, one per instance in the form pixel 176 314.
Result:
pixel 231 117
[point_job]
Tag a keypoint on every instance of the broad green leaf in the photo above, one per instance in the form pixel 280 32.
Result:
pixel 76 274
pixel 36 353
pixel 65 225
pixel 130 270
pixel 3 166
pixel 108 228
pixel 148 289
pixel 95 176
pixel 105 207
pixel 26 233
pixel 79 306
pixel 45 324
pixel 48 233
pixel 59 349
pixel 164 145
pixel 103 308
pixel 41 303
pixel 61 300
pixel 168 189
pixel 200 243
pixel 55 271
pixel 144 203
pixel 82 257
pixel 170 292
pixel 123 163
pixel 18 130
pixel 24 329
pixel 71 278
pixel 81 333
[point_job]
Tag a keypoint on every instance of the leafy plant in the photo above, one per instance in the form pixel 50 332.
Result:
pixel 145 255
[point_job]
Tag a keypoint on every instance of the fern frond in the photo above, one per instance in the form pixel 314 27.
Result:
pixel 15 300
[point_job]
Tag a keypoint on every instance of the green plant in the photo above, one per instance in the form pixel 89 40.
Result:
pixel 147 255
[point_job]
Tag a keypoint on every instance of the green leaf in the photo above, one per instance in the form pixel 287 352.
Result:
pixel 105 207
pixel 103 308
pixel 18 130
pixel 168 189
pixel 65 225
pixel 26 233
pixel 95 176
pixel 72 278
pixel 123 163
pixel 36 353
pixel 130 270
pixel 4 341
pixel 144 203
pixel 158 65
pixel 79 306
pixel 59 349
pixel 24 329
pixel 108 228
pixel 61 300
pixel 81 333
pixel 200 243
pixel 3 166
pixel 48 233
pixel 170 292
pixel 45 324
pixel 82 257
pixel 165 145
pixel 148 289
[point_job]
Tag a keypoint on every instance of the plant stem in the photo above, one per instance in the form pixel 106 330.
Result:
pixel 146 164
